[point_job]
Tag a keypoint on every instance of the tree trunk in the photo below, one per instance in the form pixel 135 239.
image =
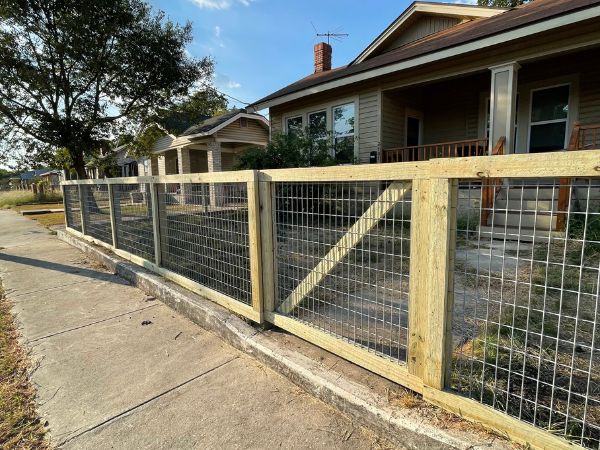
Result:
pixel 79 164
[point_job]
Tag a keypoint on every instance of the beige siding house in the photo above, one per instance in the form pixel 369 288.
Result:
pixel 211 146
pixel 449 80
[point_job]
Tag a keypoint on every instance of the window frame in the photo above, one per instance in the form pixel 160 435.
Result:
pixel 566 120
pixel 328 107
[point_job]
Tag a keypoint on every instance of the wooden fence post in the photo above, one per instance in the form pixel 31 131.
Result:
pixel 255 243
pixel 113 219
pixel 433 228
pixel 63 189
pixel 82 191
pixel 267 228
pixel 154 199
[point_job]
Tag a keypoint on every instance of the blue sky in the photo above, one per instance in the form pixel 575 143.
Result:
pixel 260 46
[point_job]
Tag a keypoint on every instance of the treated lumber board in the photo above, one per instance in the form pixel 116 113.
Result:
pixel 365 223
pixel 254 242
pixel 516 430
pixel 267 245
pixel 391 370
pixel 554 164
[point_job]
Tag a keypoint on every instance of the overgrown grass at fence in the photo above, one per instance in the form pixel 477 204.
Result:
pixel 9 199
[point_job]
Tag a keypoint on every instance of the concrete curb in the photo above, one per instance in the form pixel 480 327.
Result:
pixel 403 427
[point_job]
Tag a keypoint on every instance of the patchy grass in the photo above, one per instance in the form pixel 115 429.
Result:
pixel 8 199
pixel 49 220
pixel 20 425
pixel 34 206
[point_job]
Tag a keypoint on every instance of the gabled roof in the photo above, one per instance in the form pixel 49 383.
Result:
pixel 438 45
pixel 31 174
pixel 419 9
pixel 214 124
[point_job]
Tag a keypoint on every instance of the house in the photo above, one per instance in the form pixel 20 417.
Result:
pixel 213 145
pixel 25 179
pixel 128 166
pixel 445 80
pixel 52 177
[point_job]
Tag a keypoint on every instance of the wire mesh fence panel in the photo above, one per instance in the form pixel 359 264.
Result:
pixel 133 219
pixel 72 207
pixel 97 212
pixel 204 235
pixel 526 304
pixel 342 260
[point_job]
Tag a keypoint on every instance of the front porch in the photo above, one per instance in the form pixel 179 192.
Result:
pixel 543 106
pixel 534 107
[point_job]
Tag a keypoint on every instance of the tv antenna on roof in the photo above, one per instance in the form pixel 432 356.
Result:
pixel 335 34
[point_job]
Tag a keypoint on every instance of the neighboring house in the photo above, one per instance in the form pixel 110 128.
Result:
pixel 447 72
pixel 26 179
pixel 52 177
pixel 211 146
pixel 449 80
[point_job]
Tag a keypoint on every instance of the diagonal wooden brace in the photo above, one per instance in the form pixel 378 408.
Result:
pixel 365 223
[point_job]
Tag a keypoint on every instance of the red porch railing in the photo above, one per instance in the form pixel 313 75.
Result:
pixel 455 149
pixel 583 137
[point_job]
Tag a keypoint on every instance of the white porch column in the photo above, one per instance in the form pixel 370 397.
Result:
pixel 214 165
pixel 503 103
pixel 183 167
pixel 161 165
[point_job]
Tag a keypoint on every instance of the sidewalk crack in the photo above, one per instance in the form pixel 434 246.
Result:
pixel 145 402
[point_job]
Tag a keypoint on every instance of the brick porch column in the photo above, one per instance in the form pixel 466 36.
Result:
pixel 214 165
pixel 503 103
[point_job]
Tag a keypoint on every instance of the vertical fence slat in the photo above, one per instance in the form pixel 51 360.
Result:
pixel 113 219
pixel 254 241
pixel 154 199
pixel 430 294
pixel 66 211
pixel 267 245
pixel 82 191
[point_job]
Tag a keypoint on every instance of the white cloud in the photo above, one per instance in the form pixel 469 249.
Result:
pixel 465 2
pixel 220 4
pixel 217 31
pixel 213 4
pixel 233 84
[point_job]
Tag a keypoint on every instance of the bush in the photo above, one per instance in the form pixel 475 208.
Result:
pixel 298 149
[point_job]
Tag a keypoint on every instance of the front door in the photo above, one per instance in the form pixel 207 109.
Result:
pixel 413 131
pixel 549 119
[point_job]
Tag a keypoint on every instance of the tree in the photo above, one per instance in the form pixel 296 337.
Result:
pixel 502 3
pixel 194 109
pixel 73 73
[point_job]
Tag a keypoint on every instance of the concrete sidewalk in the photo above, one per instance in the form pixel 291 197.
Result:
pixel 117 369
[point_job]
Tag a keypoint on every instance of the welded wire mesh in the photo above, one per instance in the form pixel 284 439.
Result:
pixel 525 323
pixel 97 212
pixel 342 260
pixel 133 219
pixel 204 235
pixel 72 207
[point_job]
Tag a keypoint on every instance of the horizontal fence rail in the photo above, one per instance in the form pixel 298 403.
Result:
pixel 472 281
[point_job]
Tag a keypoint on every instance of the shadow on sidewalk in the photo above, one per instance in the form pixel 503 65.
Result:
pixel 96 274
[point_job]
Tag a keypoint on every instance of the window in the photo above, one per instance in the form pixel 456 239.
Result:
pixel 343 132
pixel 294 124
pixel 243 122
pixel 317 124
pixel 549 118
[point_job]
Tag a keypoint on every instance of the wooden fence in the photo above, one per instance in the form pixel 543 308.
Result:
pixel 362 261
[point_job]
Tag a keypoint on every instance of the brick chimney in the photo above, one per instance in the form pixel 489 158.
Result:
pixel 322 57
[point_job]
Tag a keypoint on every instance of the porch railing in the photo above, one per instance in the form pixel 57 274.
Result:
pixel 583 137
pixel 454 149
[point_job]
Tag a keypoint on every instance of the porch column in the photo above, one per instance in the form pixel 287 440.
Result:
pixel 214 165
pixel 161 164
pixel 154 166
pixel 184 166
pixel 503 103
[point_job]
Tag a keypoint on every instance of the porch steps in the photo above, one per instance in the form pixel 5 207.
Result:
pixel 525 212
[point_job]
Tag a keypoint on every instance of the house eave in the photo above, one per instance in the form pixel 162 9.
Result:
pixel 475 45
pixel 463 11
